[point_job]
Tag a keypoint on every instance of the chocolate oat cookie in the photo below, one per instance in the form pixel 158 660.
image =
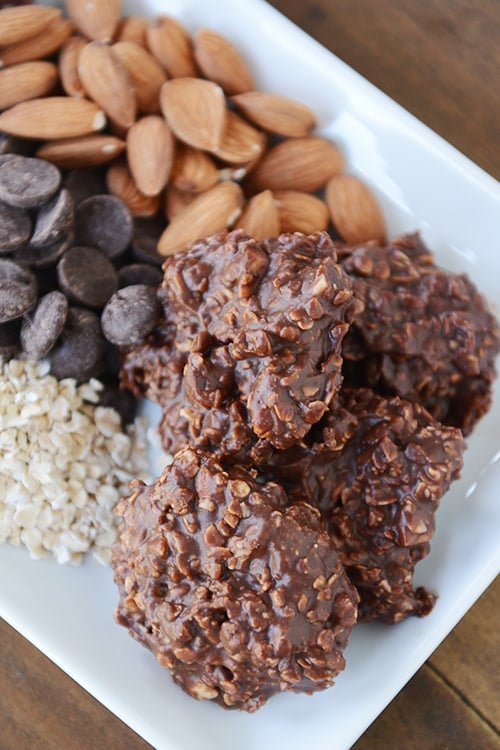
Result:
pixel 377 469
pixel 425 334
pixel 258 327
pixel 239 594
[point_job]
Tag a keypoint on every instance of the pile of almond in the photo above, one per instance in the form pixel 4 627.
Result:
pixel 178 123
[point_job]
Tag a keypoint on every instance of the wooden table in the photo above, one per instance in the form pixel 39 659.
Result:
pixel 441 61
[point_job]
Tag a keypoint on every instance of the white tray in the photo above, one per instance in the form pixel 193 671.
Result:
pixel 423 183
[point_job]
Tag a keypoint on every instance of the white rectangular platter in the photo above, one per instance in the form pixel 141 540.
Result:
pixel 422 183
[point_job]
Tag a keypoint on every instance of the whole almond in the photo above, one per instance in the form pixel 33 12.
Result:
pixel 241 143
pixel 260 217
pixel 120 182
pixel 210 212
pixel 195 110
pixel 301 212
pixel 303 164
pixel 176 201
pixel 68 66
pixel 276 113
pixel 354 210
pixel 44 44
pixel 150 154
pixel 193 170
pixel 145 72
pixel 107 81
pixel 83 152
pixel 28 80
pixel 52 118
pixel 170 43
pixel 18 24
pixel 220 61
pixel 95 19
pixel 132 29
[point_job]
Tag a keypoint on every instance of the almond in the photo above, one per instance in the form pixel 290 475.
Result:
pixel 355 212
pixel 195 110
pixel 301 212
pixel 95 19
pixel 28 80
pixel 210 212
pixel 68 66
pixel 43 44
pixel 176 201
pixel 18 24
pixel 260 217
pixel 193 170
pixel 145 72
pixel 241 143
pixel 303 164
pixel 52 118
pixel 120 182
pixel 170 43
pixel 107 82
pixel 83 152
pixel 276 113
pixel 150 154
pixel 220 61
pixel 133 29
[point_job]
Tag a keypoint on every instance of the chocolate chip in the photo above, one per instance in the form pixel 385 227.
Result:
pixel 9 339
pixel 17 290
pixel 83 183
pixel 87 276
pixel 9 144
pixel 80 349
pixel 121 401
pixel 130 315
pixel 15 228
pixel 27 182
pixel 54 219
pixel 43 257
pixel 42 326
pixel 139 273
pixel 104 222
pixel 147 232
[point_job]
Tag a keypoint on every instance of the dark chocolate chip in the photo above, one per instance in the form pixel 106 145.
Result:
pixel 139 273
pixel 43 257
pixel 84 183
pixel 27 182
pixel 15 228
pixel 130 315
pixel 121 401
pixel 9 339
pixel 147 232
pixel 54 220
pixel 80 349
pixel 87 276
pixel 9 144
pixel 104 222
pixel 42 326
pixel 17 290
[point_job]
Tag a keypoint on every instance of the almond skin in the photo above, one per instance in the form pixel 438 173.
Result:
pixel 220 61
pixel 68 66
pixel 276 113
pixel 260 217
pixel 195 110
pixel 83 152
pixel 107 82
pixel 193 170
pixel 146 74
pixel 170 43
pixel 304 164
pixel 95 19
pixel 210 212
pixel 176 201
pixel 120 182
pixel 44 44
pixel 29 80
pixel 354 210
pixel 18 24
pixel 133 29
pixel 52 118
pixel 301 212
pixel 150 154
pixel 241 143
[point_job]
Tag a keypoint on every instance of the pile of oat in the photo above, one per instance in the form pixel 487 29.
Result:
pixel 64 463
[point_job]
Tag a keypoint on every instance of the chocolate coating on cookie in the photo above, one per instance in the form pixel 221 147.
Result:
pixel 237 594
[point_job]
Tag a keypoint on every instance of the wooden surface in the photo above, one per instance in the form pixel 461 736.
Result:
pixel 440 60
